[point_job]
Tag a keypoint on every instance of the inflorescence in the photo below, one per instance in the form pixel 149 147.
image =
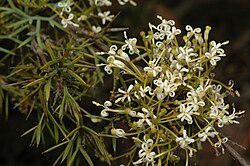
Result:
pixel 173 101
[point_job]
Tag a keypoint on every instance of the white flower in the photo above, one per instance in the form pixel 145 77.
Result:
pixel 164 29
pixel 203 136
pixel 96 29
pixel 153 68
pixel 82 18
pixel 216 48
pixel 123 55
pixel 106 106
pixel 215 53
pixel 145 153
pixel 66 6
pixel 130 44
pixel 123 2
pixel 173 33
pixel 112 62
pixel 213 58
pixel 142 91
pixel 186 53
pixel 184 142
pixel 218 112
pixel 103 3
pixel 66 21
pixel 145 118
pixel 192 31
pixel 216 93
pixel 125 94
pixel 118 132
pixel 105 16
pixel 230 119
pixel 186 113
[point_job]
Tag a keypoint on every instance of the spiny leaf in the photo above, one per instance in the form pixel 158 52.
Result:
pixel 72 158
pixel 30 130
pixel 73 74
pixel 6 51
pixel 56 146
pixel 37 81
pixel 47 88
pixel 66 151
pixel 86 156
pixel 48 64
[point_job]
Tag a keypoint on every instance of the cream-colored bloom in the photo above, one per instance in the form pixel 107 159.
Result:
pixel 66 6
pixel 146 154
pixel 96 29
pixel 186 113
pixel 146 116
pixel 130 44
pixel 106 105
pixel 153 68
pixel 118 132
pixel 125 94
pixel 103 3
pixel 184 142
pixel 67 21
pixel 105 16
pixel 123 2
pixel 207 133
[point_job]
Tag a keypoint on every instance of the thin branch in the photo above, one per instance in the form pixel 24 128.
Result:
pixel 236 155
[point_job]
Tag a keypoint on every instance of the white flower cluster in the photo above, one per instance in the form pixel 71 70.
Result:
pixel 174 93
pixel 105 16
pixel 66 7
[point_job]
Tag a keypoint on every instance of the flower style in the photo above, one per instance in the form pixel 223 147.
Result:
pixel 125 94
pixel 67 21
pixel 145 153
pixel 66 6
pixel 203 136
pixel 130 44
pixel 105 16
pixel 118 132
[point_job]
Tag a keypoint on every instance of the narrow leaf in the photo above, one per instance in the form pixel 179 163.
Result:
pixel 47 88
pixel 34 82
pixel 86 156
pixel 56 146
pixel 73 74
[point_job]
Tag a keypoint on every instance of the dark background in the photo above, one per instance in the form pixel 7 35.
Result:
pixel 229 19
